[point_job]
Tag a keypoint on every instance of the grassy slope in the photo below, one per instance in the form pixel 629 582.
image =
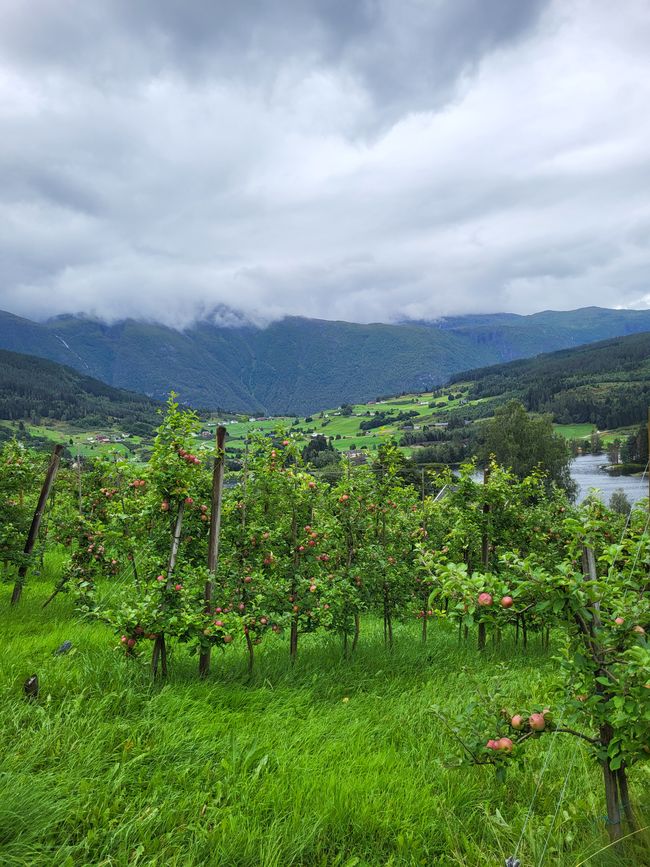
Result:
pixel 109 769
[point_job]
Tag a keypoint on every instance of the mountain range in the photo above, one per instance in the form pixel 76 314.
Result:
pixel 298 365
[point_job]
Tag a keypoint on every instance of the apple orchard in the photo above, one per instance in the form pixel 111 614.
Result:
pixel 169 556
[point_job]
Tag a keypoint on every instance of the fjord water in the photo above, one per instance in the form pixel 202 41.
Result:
pixel 587 473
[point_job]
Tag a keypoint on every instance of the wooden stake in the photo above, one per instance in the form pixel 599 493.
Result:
pixel 485 555
pixel 81 511
pixel 32 536
pixel 215 527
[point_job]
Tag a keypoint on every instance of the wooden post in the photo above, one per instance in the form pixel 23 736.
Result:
pixel 610 777
pixel 215 527
pixel 160 648
pixel 32 536
pixel 485 555
pixel 81 511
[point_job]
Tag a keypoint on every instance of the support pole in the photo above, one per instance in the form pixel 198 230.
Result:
pixel 215 527
pixel 32 536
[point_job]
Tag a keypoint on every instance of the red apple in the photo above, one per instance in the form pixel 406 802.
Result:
pixel 507 602
pixel 505 744
pixel 517 722
pixel 619 621
pixel 485 599
pixel 537 722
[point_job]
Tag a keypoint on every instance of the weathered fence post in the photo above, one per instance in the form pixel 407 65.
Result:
pixel 485 554
pixel 50 476
pixel 215 527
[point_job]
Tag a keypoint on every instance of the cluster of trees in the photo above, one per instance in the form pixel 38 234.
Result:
pixel 379 419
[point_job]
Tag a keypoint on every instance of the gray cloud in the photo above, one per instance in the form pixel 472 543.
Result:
pixel 369 160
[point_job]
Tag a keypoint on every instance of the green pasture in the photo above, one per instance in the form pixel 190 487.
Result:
pixel 574 431
pixel 333 762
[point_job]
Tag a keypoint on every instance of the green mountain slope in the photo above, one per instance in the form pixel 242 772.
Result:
pixel 301 365
pixel 605 383
pixel 34 388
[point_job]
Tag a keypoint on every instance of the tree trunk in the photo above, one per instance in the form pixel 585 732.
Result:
pixel 160 648
pixel 611 797
pixel 159 655
pixel 251 652
pixel 293 640
pixel 357 630
pixel 624 793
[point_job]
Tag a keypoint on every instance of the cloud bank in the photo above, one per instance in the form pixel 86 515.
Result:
pixel 368 160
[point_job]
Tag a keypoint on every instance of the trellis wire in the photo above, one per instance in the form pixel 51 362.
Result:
pixel 539 783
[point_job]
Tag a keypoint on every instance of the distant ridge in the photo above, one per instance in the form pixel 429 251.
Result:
pixel 299 365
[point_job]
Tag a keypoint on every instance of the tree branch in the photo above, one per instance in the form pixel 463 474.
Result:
pixel 593 741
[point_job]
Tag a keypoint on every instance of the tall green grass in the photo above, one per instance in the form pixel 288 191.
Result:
pixel 333 762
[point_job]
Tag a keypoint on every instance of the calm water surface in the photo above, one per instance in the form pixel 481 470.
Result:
pixel 586 472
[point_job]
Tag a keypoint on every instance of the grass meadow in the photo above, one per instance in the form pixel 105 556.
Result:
pixel 334 762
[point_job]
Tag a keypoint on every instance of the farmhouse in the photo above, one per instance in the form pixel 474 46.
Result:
pixel 356 457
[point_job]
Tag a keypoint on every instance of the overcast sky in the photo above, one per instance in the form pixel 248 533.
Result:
pixel 368 160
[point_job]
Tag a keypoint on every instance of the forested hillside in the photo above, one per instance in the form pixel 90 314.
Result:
pixel 605 383
pixel 34 389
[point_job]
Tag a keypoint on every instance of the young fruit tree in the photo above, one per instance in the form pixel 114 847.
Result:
pixel 597 599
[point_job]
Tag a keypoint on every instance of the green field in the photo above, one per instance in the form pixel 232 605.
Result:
pixel 574 431
pixel 333 762
pixel 332 423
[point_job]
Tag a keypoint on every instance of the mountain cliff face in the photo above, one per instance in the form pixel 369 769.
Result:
pixel 301 365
